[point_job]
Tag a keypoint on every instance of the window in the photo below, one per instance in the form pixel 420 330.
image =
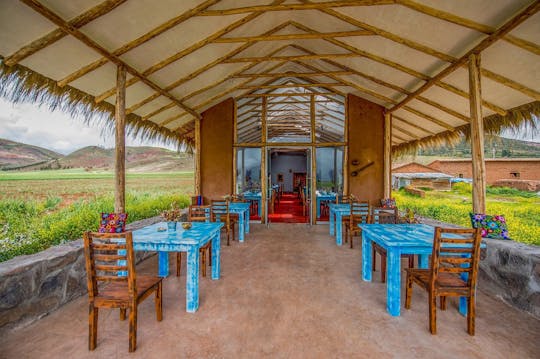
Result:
pixel 514 174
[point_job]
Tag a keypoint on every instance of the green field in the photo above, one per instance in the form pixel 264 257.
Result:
pixel 521 209
pixel 43 208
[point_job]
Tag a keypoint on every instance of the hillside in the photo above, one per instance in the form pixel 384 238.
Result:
pixel 15 154
pixel 19 156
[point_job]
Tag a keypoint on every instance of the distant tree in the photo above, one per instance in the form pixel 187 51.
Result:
pixel 506 152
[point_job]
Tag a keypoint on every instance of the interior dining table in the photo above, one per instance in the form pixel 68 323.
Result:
pixel 337 211
pixel 398 239
pixel 242 209
pixel 324 197
pixel 157 237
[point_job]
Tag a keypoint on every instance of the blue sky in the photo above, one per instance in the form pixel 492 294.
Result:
pixel 57 131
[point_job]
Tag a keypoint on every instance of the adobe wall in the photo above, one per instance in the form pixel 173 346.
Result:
pixel 366 145
pixel 495 170
pixel 217 126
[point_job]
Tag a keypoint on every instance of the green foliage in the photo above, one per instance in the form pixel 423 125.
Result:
pixel 521 210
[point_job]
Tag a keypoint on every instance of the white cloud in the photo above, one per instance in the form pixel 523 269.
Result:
pixel 56 131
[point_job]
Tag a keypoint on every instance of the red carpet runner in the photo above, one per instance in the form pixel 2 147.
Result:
pixel 288 210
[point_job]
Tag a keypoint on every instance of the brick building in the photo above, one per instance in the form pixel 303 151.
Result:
pixel 496 168
pixel 420 176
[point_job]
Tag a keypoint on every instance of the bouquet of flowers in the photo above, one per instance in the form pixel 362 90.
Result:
pixel 173 214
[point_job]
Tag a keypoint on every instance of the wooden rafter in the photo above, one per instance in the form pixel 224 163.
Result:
pixel 58 21
pixel 303 36
pixel 485 43
pixel 137 42
pixel 57 34
pixel 294 74
pixel 289 58
pixel 413 125
pixel 287 7
pixel 317 84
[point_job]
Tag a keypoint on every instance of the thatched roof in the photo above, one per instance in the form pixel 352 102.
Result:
pixel 185 56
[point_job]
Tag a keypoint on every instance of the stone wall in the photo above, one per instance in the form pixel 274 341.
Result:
pixel 34 285
pixel 509 271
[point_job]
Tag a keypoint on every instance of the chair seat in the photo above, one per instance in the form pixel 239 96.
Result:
pixel 444 280
pixel 117 292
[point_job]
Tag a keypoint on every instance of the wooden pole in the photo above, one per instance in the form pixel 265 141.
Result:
pixel 264 177
pixel 387 155
pixel 198 157
pixel 313 189
pixel 477 136
pixel 120 138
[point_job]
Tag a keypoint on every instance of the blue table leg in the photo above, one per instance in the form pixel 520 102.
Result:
pixel 163 264
pixel 192 280
pixel 393 285
pixel 246 214
pixel 463 300
pixel 216 261
pixel 259 206
pixel 241 228
pixel 366 258
pixel 331 222
pixel 318 207
pixel 423 260
pixel 339 240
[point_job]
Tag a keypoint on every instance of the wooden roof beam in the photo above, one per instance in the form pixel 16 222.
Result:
pixel 288 7
pixel 55 35
pixel 58 21
pixel 413 125
pixel 294 74
pixel 293 36
pixel 137 42
pixel 290 58
pixel 485 43
pixel 316 84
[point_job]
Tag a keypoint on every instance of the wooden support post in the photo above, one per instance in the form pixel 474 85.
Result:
pixel 120 138
pixel 477 136
pixel 264 168
pixel 198 157
pixel 346 150
pixel 313 189
pixel 387 155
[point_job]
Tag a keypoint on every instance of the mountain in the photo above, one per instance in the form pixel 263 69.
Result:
pixel 19 156
pixel 15 154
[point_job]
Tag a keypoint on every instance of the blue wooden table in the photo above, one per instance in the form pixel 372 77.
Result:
pixel 337 211
pixel 242 209
pixel 190 241
pixel 397 239
pixel 254 196
pixel 330 197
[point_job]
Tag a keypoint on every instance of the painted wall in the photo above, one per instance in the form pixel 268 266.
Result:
pixel 366 146
pixel 217 126
pixel 282 164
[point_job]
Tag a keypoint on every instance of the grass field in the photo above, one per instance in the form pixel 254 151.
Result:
pixel 43 208
pixel 521 209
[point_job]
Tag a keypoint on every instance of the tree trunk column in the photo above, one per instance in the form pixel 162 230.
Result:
pixel 477 136
pixel 198 157
pixel 387 155
pixel 120 138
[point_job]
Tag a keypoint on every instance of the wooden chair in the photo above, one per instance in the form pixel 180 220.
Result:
pixel 220 212
pixel 453 272
pixel 388 216
pixel 345 199
pixel 198 214
pixel 109 256
pixel 359 214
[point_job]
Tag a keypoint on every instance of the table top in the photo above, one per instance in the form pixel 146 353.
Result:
pixel 252 195
pixel 345 207
pixel 401 235
pixel 326 195
pixel 198 234
pixel 238 206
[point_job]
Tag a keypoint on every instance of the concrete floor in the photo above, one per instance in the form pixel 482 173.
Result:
pixel 287 292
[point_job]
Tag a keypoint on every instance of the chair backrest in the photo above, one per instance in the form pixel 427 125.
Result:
pixel 384 215
pixel 456 250
pixel 359 212
pixel 344 198
pixel 109 258
pixel 199 213
pixel 220 210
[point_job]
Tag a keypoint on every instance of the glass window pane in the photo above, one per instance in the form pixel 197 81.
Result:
pixel 248 170
pixel 329 119
pixel 248 120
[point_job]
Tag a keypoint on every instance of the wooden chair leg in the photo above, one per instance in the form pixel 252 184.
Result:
pixel 178 263
pixel 92 326
pixel 411 261
pixel 228 230
pixel 442 304
pixel 203 257
pixel 408 291
pixel 351 239
pixel 471 308
pixel 133 327
pixel 383 267
pixel 373 258
pixel 432 313
pixel 210 255
pixel 233 234
pixel 122 313
pixel 159 302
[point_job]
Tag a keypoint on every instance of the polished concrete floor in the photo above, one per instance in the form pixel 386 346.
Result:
pixel 287 292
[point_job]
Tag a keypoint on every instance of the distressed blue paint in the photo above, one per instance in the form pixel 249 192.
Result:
pixel 324 197
pixel 397 239
pixel 254 196
pixel 338 210
pixel 242 209
pixel 190 241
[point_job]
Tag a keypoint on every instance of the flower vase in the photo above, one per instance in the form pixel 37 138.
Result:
pixel 171 226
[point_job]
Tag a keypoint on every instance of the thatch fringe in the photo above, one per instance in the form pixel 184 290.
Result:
pixel 522 118
pixel 19 84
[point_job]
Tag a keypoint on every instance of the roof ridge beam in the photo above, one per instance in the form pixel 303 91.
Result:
pixel 485 43
pixel 44 11
pixel 57 34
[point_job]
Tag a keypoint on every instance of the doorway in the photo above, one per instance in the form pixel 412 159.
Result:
pixel 288 185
